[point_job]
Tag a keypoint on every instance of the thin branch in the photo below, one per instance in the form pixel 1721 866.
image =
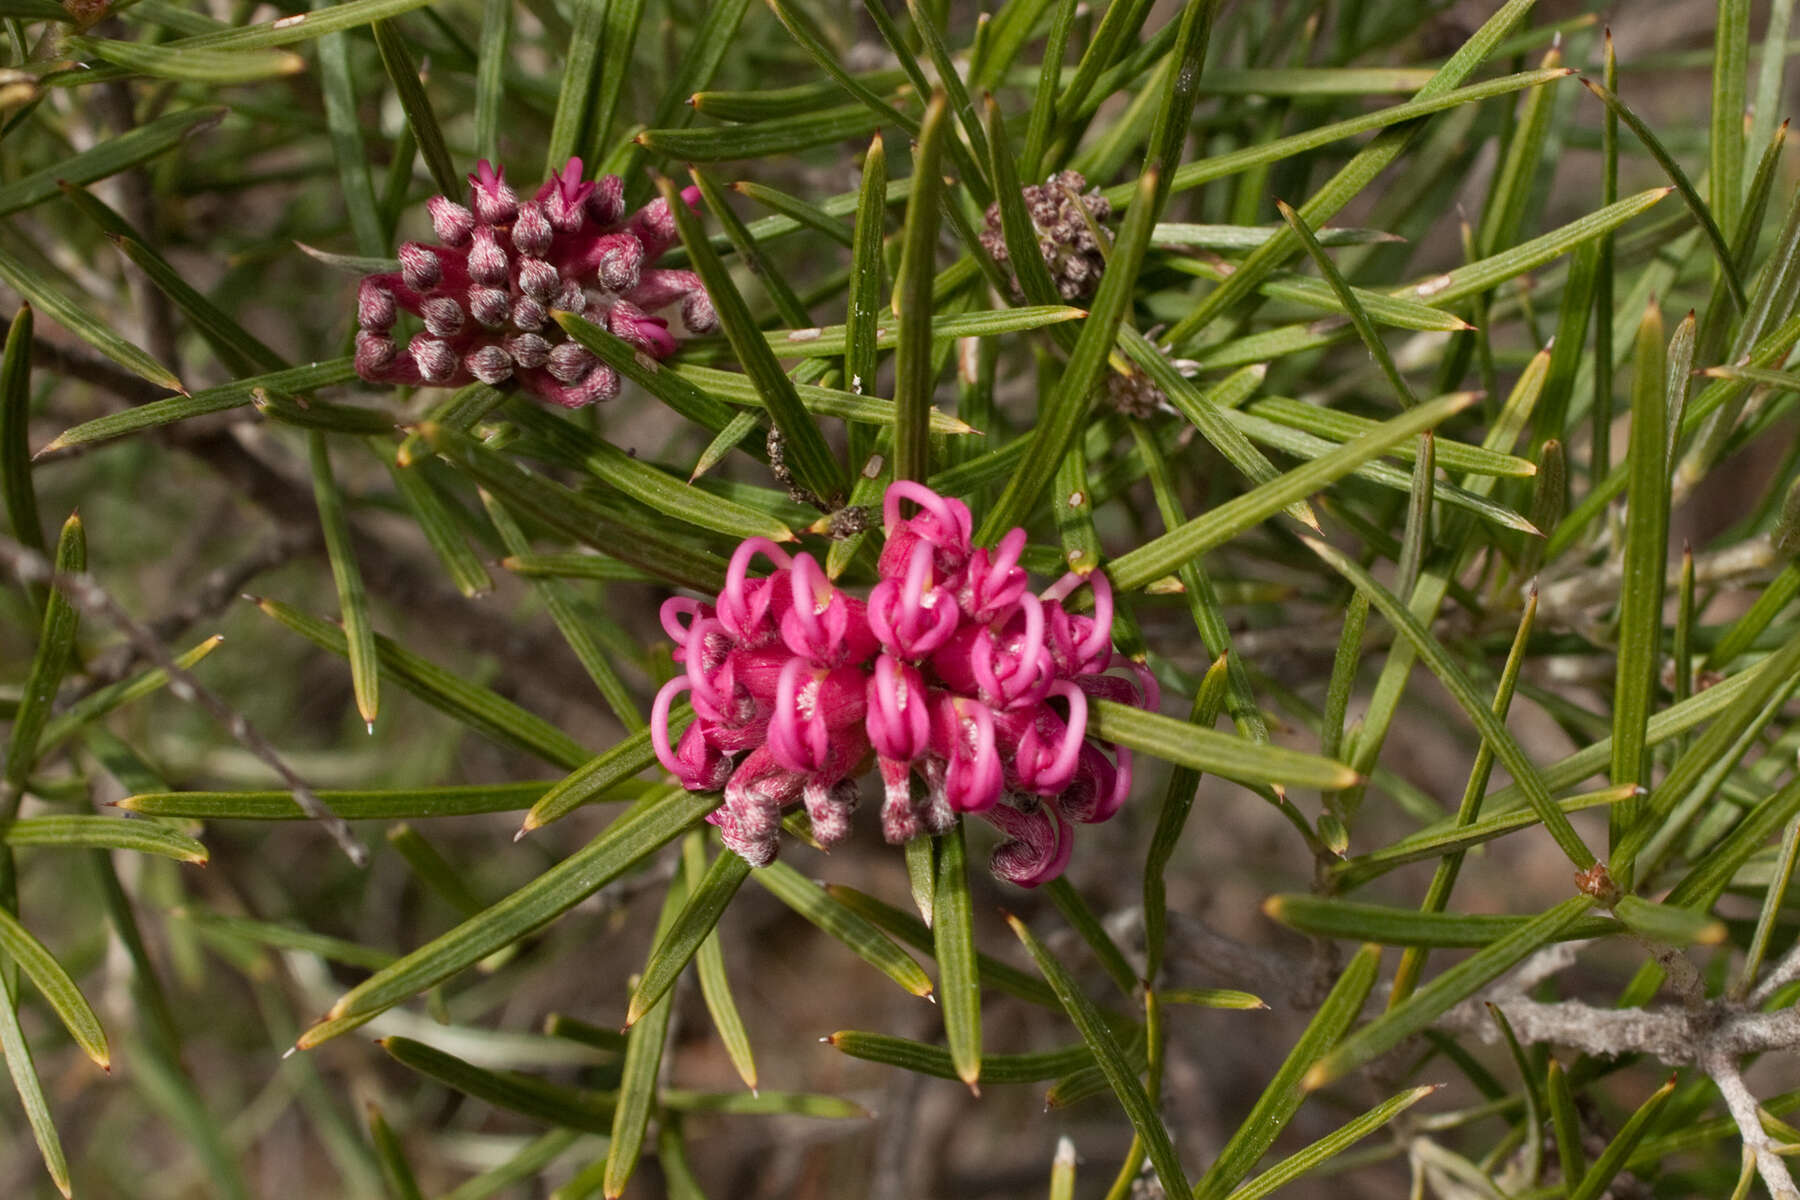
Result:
pixel 86 594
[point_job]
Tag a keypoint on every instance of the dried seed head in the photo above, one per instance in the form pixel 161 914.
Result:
pixel 374 306
pixel 419 267
pixel 443 316
pixel 528 350
pixel 538 279
pixel 489 306
pixel 531 232
pixel 570 361
pixel 436 360
pixel 487 261
pixel 490 364
pixel 451 221
pixel 1134 395
pixel 1065 237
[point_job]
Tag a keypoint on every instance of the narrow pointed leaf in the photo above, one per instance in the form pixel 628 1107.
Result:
pixel 1111 1058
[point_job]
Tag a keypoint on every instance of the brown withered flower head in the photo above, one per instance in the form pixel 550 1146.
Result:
pixel 1065 235
pixel 485 292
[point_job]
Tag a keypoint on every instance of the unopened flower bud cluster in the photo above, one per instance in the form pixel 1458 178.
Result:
pixel 485 291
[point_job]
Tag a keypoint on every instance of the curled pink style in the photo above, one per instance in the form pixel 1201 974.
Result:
pixel 670 614
pixel 1048 749
pixel 963 734
pixel 745 604
pixel 1081 645
pixel 911 616
pixel 1037 845
pixel 1013 667
pixel 820 623
pixel 995 580
pixel 899 720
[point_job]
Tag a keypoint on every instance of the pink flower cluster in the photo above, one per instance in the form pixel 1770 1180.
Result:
pixel 486 293
pixel 968 691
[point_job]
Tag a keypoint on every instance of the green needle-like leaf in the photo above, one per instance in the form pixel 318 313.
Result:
pixel 1216 753
pixel 602 773
pixel 477 707
pixel 953 939
pixel 1646 555
pixel 1330 1146
pixel 353 601
pixel 72 830
pixel 15 420
pixel 1685 186
pixel 1612 1160
pixel 1163 555
pixel 678 944
pixel 51 979
pixel 654 821
pixel 643 1059
pixel 1446 991
pixel 838 920
pixel 1332 916
pixel 924 1059
pixel 398 804
pixel 80 319
pixel 1068 407
pixel 403 72
pixel 1111 1058
pixel 914 364
pixel 806 453
pixel 1493 732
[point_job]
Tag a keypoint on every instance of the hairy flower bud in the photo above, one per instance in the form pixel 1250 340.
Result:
pixel 436 361
pixel 375 310
pixel 531 231
pixel 419 267
pixel 449 220
pixel 443 316
pixel 490 364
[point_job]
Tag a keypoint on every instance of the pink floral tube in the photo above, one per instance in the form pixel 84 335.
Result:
pixel 965 690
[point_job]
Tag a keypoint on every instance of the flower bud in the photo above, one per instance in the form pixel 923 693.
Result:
pixel 487 261
pixel 449 220
pixel 419 267
pixel 443 316
pixel 490 364
pixel 374 306
pixel 493 201
pixel 374 353
pixel 569 361
pixel 606 203
pixel 538 279
pixel 436 360
pixel 489 306
pixel 528 350
pixel 531 231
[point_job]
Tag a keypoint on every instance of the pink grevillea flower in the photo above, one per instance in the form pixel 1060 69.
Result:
pixel 966 692
pixel 485 291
